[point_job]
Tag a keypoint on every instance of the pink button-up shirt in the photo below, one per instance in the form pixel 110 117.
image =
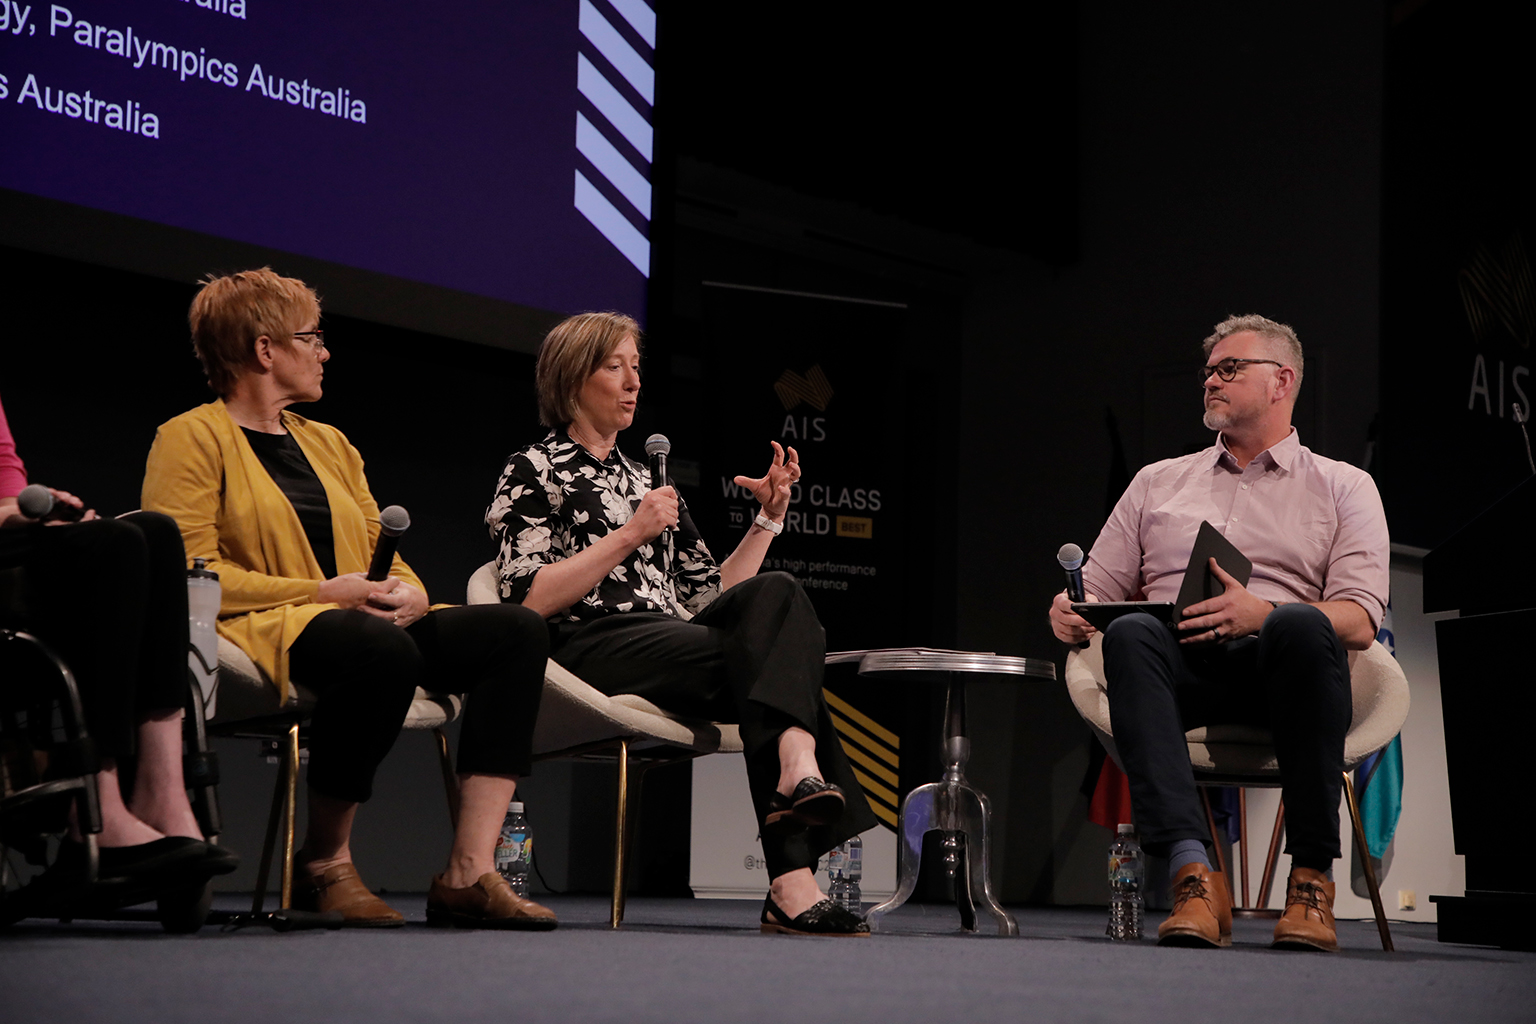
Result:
pixel 1313 528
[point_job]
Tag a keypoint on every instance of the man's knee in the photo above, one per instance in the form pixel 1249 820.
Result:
pixel 1298 630
pixel 1136 632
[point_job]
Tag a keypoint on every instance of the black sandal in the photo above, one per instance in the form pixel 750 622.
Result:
pixel 813 802
pixel 826 919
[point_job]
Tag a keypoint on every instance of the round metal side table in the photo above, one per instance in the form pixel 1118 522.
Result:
pixel 952 807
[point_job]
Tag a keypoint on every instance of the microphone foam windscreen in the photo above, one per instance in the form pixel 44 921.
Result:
pixel 35 501
pixel 395 520
pixel 657 444
pixel 1070 556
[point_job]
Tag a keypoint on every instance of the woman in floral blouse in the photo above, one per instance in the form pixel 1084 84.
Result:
pixel 581 542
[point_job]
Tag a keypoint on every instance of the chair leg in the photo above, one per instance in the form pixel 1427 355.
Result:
pixel 1365 862
pixel 292 800
pixel 620 834
pixel 1270 859
pixel 450 780
pixel 279 790
pixel 1242 837
pixel 1210 823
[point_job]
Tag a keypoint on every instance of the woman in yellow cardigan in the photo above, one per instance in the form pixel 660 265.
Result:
pixel 280 508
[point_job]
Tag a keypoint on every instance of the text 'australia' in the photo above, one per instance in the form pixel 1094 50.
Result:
pixel 128 116
pixel 337 102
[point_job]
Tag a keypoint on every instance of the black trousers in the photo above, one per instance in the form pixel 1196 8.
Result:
pixel 110 597
pixel 1292 678
pixel 364 672
pixel 754 656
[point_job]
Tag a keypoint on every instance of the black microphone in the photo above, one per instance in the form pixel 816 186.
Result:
pixel 1071 559
pixel 36 502
pixel 657 448
pixel 393 521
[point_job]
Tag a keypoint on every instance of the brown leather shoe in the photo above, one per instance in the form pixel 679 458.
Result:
pixel 489 903
pixel 1308 919
pixel 1202 909
pixel 339 889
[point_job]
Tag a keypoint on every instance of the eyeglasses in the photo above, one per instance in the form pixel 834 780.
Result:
pixel 1227 368
pixel 316 339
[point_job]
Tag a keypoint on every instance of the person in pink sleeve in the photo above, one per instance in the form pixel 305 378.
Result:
pixel 129 658
pixel 1271 654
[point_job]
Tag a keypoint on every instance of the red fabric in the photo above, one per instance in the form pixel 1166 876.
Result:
pixel 13 475
pixel 1111 801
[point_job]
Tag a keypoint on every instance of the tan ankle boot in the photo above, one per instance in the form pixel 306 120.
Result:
pixel 1308 919
pixel 1202 909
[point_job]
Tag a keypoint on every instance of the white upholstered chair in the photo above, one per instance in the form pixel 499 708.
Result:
pixel 1244 756
pixel 579 721
pixel 247 706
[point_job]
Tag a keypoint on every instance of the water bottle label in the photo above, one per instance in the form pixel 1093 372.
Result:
pixel 1123 870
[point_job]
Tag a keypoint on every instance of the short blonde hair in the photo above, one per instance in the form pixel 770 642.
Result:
pixel 231 311
pixel 1280 339
pixel 569 354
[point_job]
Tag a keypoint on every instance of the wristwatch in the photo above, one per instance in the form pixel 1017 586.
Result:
pixel 768 524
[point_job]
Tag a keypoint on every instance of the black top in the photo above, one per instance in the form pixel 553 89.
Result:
pixel 555 499
pixel 285 463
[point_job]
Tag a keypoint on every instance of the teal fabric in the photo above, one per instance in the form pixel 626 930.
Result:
pixel 1380 778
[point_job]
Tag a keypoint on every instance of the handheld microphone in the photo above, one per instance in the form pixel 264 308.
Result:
pixel 657 448
pixel 1071 559
pixel 36 502
pixel 393 521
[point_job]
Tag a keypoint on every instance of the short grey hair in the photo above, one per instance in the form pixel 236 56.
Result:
pixel 1279 338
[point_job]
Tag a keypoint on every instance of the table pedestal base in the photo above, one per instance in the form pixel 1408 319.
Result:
pixel 963 816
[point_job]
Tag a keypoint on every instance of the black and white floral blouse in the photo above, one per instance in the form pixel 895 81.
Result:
pixel 555 499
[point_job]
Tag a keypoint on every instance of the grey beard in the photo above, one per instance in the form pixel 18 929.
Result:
pixel 1217 419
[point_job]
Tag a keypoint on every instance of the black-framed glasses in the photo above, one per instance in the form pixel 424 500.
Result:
pixel 1227 368
pixel 316 339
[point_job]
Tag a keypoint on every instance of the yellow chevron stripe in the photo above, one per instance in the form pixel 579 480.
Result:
pixel 869 744
pixel 854 714
pixel 880 770
pixel 884 813
pixel 874 788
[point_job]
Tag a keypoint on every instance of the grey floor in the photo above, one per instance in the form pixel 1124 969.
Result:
pixel 703 960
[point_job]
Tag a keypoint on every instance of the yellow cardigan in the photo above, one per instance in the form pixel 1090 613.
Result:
pixel 203 473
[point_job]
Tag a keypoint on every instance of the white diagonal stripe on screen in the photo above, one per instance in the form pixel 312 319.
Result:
pixel 640 17
pixel 619 112
pixel 621 174
pixel 618 51
pixel 613 224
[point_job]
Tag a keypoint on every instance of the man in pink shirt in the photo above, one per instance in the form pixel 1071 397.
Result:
pixel 1271 654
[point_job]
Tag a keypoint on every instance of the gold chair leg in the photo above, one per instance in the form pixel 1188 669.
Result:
pixel 1365 862
pixel 450 780
pixel 293 809
pixel 1210 823
pixel 1273 856
pixel 274 816
pixel 620 847
pixel 1242 837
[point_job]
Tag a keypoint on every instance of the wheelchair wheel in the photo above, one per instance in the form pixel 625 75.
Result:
pixel 184 908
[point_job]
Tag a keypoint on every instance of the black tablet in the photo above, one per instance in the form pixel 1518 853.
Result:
pixel 1101 613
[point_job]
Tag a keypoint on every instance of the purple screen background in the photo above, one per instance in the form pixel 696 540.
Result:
pixel 461 178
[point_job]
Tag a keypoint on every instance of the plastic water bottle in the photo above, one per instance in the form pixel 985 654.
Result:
pixel 1127 873
pixel 845 866
pixel 203 593
pixel 514 849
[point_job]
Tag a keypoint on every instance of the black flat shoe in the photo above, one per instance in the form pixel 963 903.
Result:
pixel 813 802
pixel 146 860
pixel 825 918
pixel 219 860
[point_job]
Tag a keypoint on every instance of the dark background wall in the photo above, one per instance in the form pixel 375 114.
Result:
pixel 1065 199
